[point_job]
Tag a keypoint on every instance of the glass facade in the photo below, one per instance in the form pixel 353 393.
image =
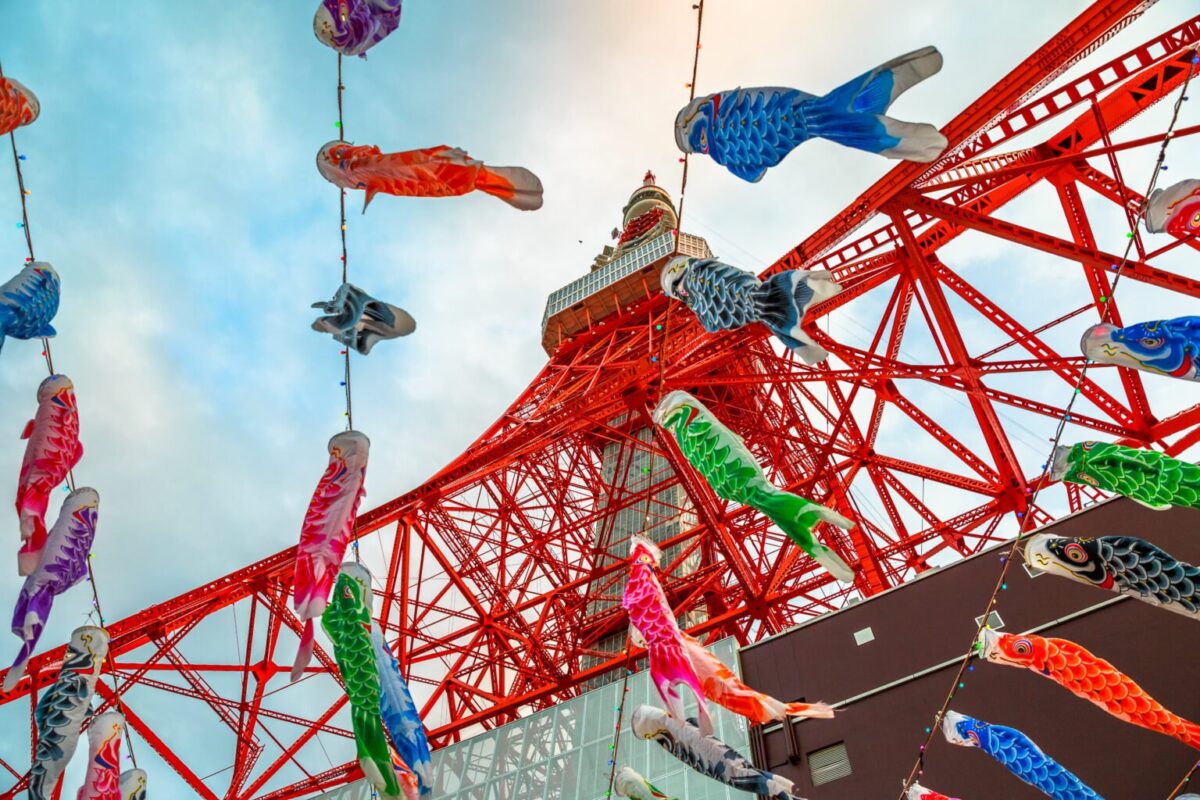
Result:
pixel 562 753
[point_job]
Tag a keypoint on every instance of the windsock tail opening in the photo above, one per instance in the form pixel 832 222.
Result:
pixel 784 299
pixel 797 517
pixel 30 554
pixel 810 710
pixel 874 92
pixel 17 670
pixel 917 141
pixel 305 651
pixel 373 753
pixel 1190 735
pixel 516 186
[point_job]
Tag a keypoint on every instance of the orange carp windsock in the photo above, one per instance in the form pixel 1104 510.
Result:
pixel 1089 677
pixel 441 171
pixel 723 688
pixel 18 106
pixel 52 450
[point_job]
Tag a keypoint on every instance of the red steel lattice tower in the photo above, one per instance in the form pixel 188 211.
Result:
pixel 495 588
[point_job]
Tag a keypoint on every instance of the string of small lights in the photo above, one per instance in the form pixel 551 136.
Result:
pixel 1026 517
pixel 48 356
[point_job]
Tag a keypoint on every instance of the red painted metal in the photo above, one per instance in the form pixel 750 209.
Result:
pixel 490 574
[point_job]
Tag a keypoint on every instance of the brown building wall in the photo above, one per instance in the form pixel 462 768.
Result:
pixel 930 621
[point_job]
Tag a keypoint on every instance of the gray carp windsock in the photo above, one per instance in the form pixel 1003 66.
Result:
pixel 63 707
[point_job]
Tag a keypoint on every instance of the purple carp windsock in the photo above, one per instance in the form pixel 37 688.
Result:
pixel 751 130
pixel 103 778
pixel 724 297
pixel 352 27
pixel 63 564
pixel 63 707
pixel 708 755
pixel 328 525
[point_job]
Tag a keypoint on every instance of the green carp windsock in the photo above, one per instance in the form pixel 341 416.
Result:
pixel 347 622
pixel 726 463
pixel 1151 478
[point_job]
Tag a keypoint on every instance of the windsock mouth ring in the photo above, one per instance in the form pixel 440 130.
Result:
pixel 1093 337
pixel 682 120
pixel 950 728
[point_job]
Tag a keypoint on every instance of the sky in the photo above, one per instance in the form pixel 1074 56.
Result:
pixel 173 188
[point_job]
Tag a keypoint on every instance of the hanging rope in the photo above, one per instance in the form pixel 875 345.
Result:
pixel 48 357
pixel 1027 517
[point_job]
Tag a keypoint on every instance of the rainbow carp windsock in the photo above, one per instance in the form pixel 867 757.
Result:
pixel 1174 210
pixel 1151 478
pixel 28 303
pixel 64 706
pixel 103 778
pixel 724 297
pixel 919 792
pixel 18 105
pixel 352 27
pixel 651 614
pixel 1122 564
pixel 325 534
pixel 133 784
pixel 1018 754
pixel 400 717
pixel 708 755
pixel 725 462
pixel 1163 347
pixel 64 563
pixel 51 451
pixel 440 171
pixel 724 688
pixel 629 783
pixel 751 130
pixel 347 621
pixel 1085 675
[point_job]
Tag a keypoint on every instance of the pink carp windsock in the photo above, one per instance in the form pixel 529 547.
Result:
pixel 1089 677
pixel 133 784
pixel 63 564
pixel 103 778
pixel 708 755
pixel 1174 210
pixel 651 614
pixel 328 525
pixel 919 792
pixel 18 105
pixel 63 707
pixel 723 687
pixel 440 171
pixel 52 450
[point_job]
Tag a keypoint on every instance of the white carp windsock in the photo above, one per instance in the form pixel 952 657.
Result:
pixel 52 451
pixel 328 525
pixel 133 784
pixel 62 708
pixel 63 564
pixel 103 778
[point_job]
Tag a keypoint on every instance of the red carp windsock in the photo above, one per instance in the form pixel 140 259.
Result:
pixel 51 452
pixel 919 792
pixel 1089 677
pixel 440 171
pixel 326 533
pixel 18 106
pixel 1174 210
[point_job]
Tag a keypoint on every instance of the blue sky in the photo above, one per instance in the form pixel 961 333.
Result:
pixel 173 187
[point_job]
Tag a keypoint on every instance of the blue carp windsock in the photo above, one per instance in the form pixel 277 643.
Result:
pixel 708 755
pixel 347 621
pixel 724 297
pixel 28 302
pixel 1148 477
pixel 1174 210
pixel 629 783
pixel 1018 754
pixel 726 463
pixel 751 130
pixel 63 707
pixel 1164 347
pixel 1121 564
pixel 399 714
pixel 63 564
pixel 133 784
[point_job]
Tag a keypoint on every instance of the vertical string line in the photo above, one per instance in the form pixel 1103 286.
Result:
pixel 48 356
pixel 1027 517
